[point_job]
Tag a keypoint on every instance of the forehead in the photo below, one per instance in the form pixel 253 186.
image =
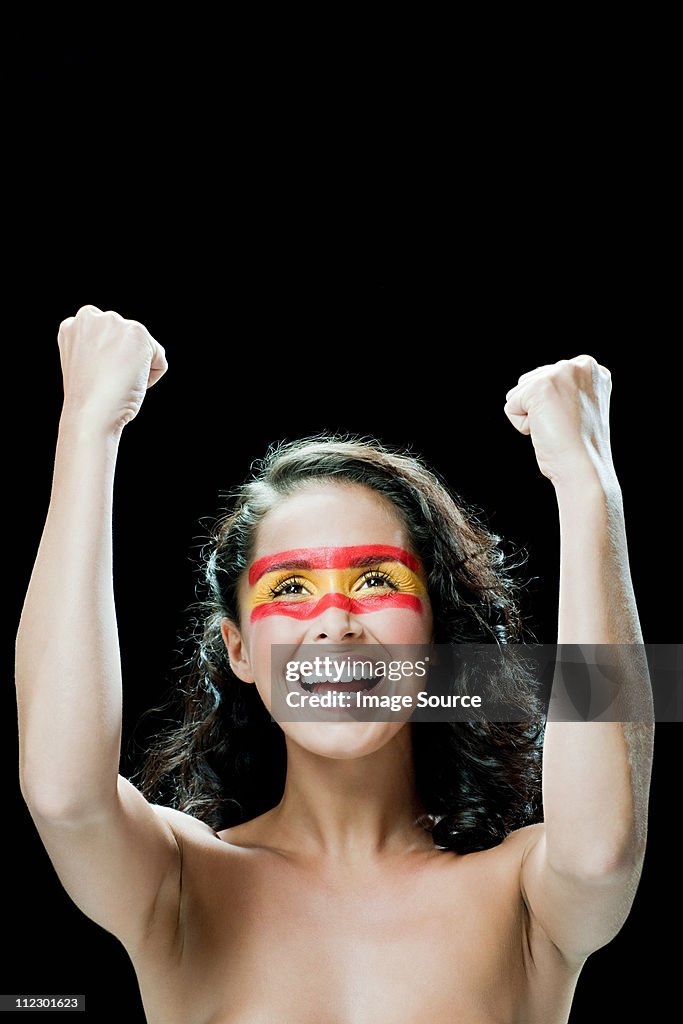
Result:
pixel 326 515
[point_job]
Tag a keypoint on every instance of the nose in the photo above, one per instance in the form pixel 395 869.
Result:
pixel 335 625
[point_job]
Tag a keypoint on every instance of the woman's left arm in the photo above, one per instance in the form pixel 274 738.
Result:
pixel 581 870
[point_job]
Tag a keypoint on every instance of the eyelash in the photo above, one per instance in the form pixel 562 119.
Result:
pixel 296 581
pixel 289 581
pixel 378 574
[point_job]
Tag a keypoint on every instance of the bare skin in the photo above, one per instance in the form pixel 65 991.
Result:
pixel 334 907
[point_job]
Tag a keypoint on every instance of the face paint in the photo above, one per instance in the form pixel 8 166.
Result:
pixel 304 583
pixel 310 609
pixel 332 558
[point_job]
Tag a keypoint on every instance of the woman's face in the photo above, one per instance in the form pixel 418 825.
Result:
pixel 333 571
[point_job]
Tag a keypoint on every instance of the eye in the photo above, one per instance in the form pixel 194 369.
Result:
pixel 376 579
pixel 293 586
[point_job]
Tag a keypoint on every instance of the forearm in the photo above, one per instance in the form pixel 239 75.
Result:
pixel 68 672
pixel 597 604
pixel 596 774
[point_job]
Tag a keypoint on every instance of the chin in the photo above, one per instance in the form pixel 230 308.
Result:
pixel 341 741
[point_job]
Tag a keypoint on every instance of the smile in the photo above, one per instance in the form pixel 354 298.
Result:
pixel 356 678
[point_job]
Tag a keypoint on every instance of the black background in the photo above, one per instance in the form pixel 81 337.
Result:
pixel 332 264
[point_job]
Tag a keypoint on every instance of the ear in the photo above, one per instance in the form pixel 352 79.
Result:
pixel 237 651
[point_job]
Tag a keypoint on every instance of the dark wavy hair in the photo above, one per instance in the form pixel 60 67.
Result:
pixel 225 763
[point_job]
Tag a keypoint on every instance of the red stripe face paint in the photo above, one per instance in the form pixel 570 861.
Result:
pixel 302 584
pixel 310 609
pixel 332 558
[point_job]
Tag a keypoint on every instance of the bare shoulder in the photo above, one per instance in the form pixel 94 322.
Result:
pixel 195 838
pixel 509 856
pixel 517 845
pixel 500 869
pixel 184 826
pixel 198 843
pixel 513 853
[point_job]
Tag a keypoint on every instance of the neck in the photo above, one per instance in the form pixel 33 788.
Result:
pixel 356 808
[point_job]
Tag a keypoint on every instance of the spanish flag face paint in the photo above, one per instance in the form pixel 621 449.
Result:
pixel 303 583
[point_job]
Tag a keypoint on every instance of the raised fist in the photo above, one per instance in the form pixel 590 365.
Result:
pixel 107 365
pixel 564 406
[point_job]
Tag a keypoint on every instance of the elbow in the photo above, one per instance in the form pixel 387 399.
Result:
pixel 600 863
pixel 50 802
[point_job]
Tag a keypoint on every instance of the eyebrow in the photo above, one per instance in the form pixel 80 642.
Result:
pixel 332 558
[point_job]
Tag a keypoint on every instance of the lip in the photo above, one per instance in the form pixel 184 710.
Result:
pixel 351 713
pixel 339 655
pixel 338 711
pixel 347 673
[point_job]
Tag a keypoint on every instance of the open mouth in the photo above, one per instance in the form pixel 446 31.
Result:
pixel 360 682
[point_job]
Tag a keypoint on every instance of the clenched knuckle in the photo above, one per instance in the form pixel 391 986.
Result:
pixel 585 362
pixel 555 374
pixel 135 331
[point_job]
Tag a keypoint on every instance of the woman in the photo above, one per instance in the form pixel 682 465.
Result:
pixel 331 900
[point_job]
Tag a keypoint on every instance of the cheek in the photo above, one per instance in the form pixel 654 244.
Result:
pixel 401 625
pixel 260 634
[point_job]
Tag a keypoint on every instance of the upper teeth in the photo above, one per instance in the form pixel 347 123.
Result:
pixel 346 676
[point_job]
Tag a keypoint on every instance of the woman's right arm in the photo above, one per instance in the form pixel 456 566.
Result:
pixel 116 855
